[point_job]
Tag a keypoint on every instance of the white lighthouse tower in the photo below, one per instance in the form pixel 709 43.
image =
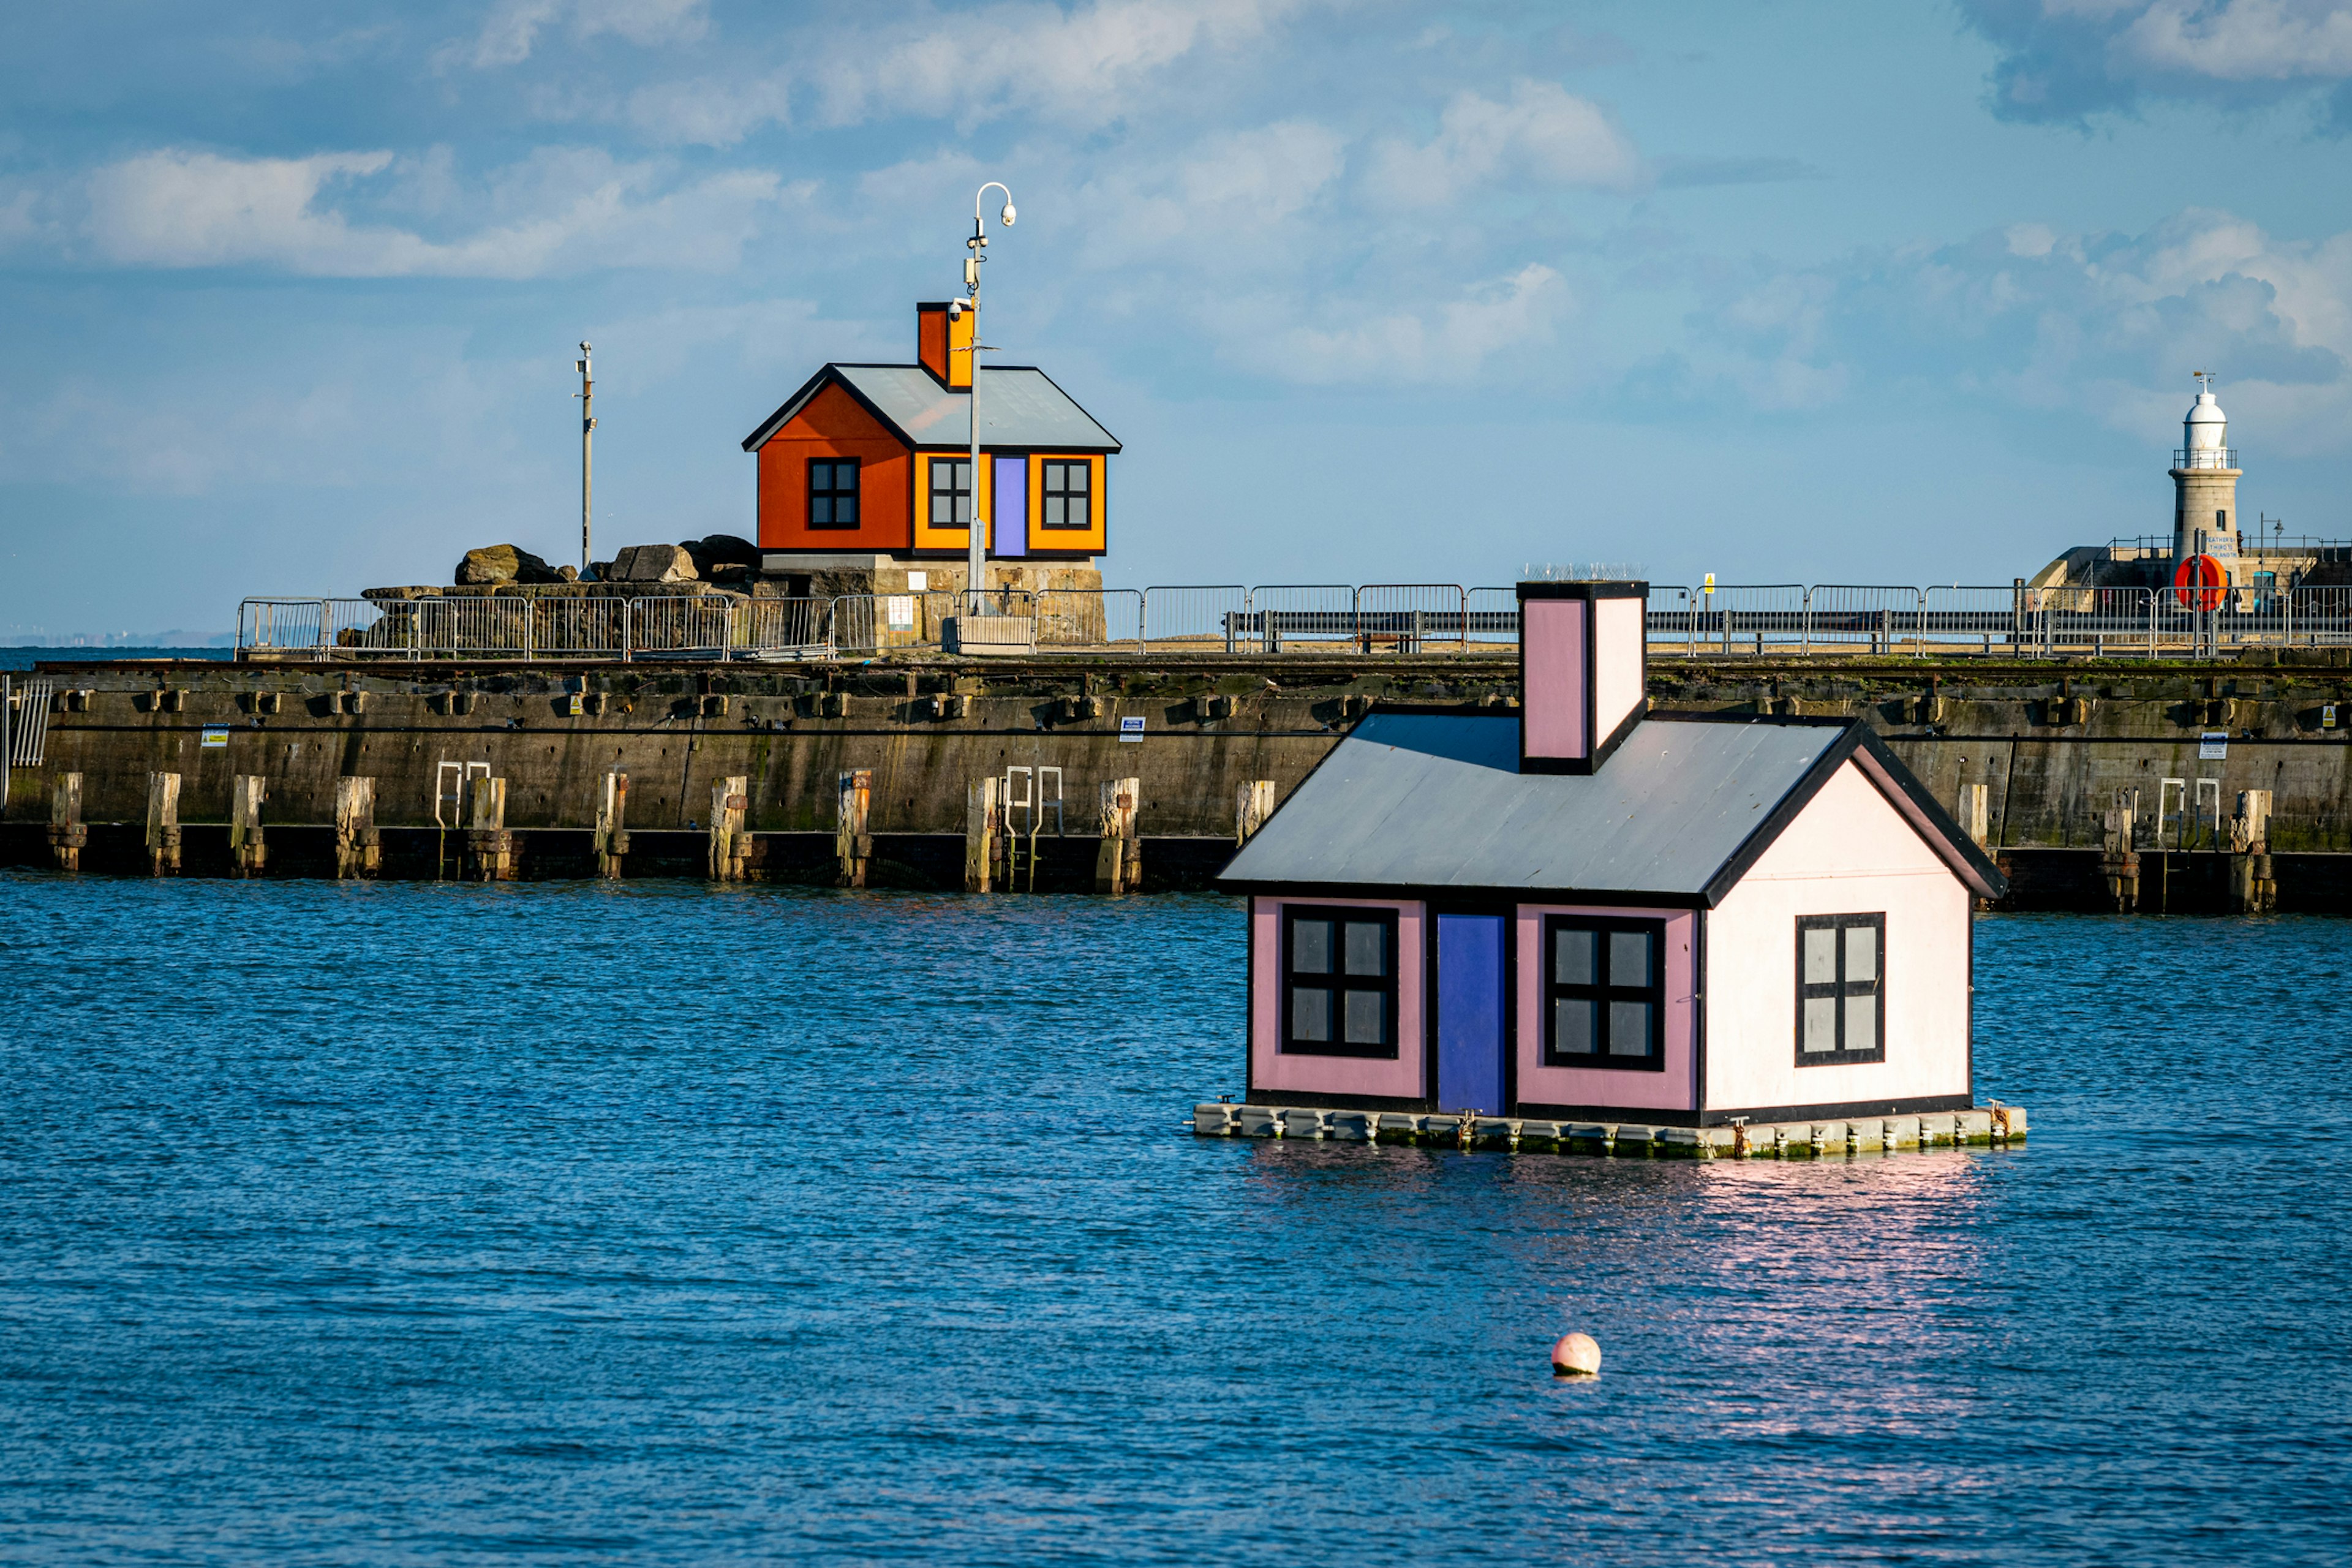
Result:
pixel 2205 475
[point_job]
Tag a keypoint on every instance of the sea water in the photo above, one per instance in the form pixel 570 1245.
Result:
pixel 664 1223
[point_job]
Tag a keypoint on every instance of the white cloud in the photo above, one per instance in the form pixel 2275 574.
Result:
pixel 560 210
pixel 1231 201
pixel 1542 135
pixel 512 31
pixel 706 113
pixel 2243 40
pixel 1446 342
pixel 2064 59
pixel 2111 324
pixel 1083 66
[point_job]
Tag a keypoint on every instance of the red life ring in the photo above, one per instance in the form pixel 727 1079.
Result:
pixel 2198 582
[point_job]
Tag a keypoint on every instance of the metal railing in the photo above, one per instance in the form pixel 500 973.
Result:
pixel 1208 618
pixel 1725 621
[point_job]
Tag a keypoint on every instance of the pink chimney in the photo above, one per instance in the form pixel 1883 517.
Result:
pixel 1583 672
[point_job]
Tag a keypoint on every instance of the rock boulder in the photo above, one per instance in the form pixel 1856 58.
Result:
pixel 655 563
pixel 503 563
pixel 722 555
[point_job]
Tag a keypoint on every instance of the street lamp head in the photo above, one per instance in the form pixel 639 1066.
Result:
pixel 1008 215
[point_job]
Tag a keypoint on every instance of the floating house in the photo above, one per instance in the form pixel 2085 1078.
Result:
pixel 1579 908
pixel 871 464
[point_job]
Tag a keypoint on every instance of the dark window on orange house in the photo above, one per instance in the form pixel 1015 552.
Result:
pixel 1069 495
pixel 950 492
pixel 833 492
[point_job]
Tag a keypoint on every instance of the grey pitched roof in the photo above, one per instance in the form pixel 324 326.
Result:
pixel 1435 801
pixel 1019 406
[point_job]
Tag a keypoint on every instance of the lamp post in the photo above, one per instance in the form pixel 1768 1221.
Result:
pixel 976 561
pixel 587 433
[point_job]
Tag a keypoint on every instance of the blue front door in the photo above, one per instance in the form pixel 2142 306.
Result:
pixel 1470 1013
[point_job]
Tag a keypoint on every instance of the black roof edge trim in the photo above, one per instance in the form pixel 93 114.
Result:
pixel 1781 720
pixel 784 411
pixel 1631 588
pixel 1116 444
pixel 1992 882
pixel 1784 810
pixel 1610 898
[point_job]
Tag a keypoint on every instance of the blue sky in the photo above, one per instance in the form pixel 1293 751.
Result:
pixel 1790 293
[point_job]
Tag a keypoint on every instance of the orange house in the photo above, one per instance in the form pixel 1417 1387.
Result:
pixel 876 459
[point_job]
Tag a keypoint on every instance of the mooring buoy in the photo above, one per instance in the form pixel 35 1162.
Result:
pixel 1576 1356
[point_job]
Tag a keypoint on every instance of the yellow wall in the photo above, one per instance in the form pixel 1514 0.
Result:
pixel 1092 541
pixel 960 348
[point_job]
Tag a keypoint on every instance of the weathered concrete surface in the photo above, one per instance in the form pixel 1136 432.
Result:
pixel 2052 743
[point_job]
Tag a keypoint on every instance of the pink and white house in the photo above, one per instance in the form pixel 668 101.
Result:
pixel 1581 908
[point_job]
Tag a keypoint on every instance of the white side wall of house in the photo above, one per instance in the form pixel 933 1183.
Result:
pixel 1848 852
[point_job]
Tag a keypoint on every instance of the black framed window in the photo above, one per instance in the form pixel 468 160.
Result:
pixel 1606 1002
pixel 1841 989
pixel 950 492
pixel 1339 982
pixel 833 492
pixel 1070 494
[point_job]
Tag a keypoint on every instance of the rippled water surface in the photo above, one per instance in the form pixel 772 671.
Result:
pixel 660 1223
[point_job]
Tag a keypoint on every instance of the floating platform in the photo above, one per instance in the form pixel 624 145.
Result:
pixel 1998 1125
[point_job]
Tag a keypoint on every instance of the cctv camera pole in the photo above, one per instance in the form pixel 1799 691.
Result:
pixel 587 438
pixel 976 560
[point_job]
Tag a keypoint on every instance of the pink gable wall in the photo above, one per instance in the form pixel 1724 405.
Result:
pixel 1619 634
pixel 1552 717
pixel 1671 1089
pixel 1270 1068
pixel 1848 852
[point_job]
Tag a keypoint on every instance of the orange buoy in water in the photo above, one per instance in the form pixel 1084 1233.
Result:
pixel 1576 1356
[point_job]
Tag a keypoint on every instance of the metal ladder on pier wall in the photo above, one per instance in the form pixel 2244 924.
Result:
pixel 24 727
pixel 1032 803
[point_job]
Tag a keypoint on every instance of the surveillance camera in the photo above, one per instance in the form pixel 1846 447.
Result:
pixel 1008 215
pixel 955 310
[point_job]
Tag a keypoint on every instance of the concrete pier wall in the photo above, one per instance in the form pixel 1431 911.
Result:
pixel 2050 744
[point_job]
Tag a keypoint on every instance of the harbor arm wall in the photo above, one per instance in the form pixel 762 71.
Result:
pixel 2035 757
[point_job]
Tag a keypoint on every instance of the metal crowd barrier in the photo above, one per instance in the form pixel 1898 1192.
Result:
pixel 1723 621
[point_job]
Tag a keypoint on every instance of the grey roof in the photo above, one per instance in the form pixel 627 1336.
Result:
pixel 1434 801
pixel 1019 406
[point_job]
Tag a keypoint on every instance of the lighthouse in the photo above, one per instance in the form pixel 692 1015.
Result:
pixel 2205 483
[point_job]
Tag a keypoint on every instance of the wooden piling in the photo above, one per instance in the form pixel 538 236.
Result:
pixel 67 834
pixel 852 846
pixel 983 833
pixel 2253 887
pixel 246 852
pixel 1118 862
pixel 488 846
pixel 358 848
pixel 1975 816
pixel 612 818
pixel 2118 861
pixel 731 846
pixel 163 822
pixel 1253 804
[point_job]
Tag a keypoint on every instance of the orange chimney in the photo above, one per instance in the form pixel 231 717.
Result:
pixel 942 346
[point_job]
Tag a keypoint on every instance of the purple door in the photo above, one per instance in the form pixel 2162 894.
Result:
pixel 1009 520
pixel 1470 1013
